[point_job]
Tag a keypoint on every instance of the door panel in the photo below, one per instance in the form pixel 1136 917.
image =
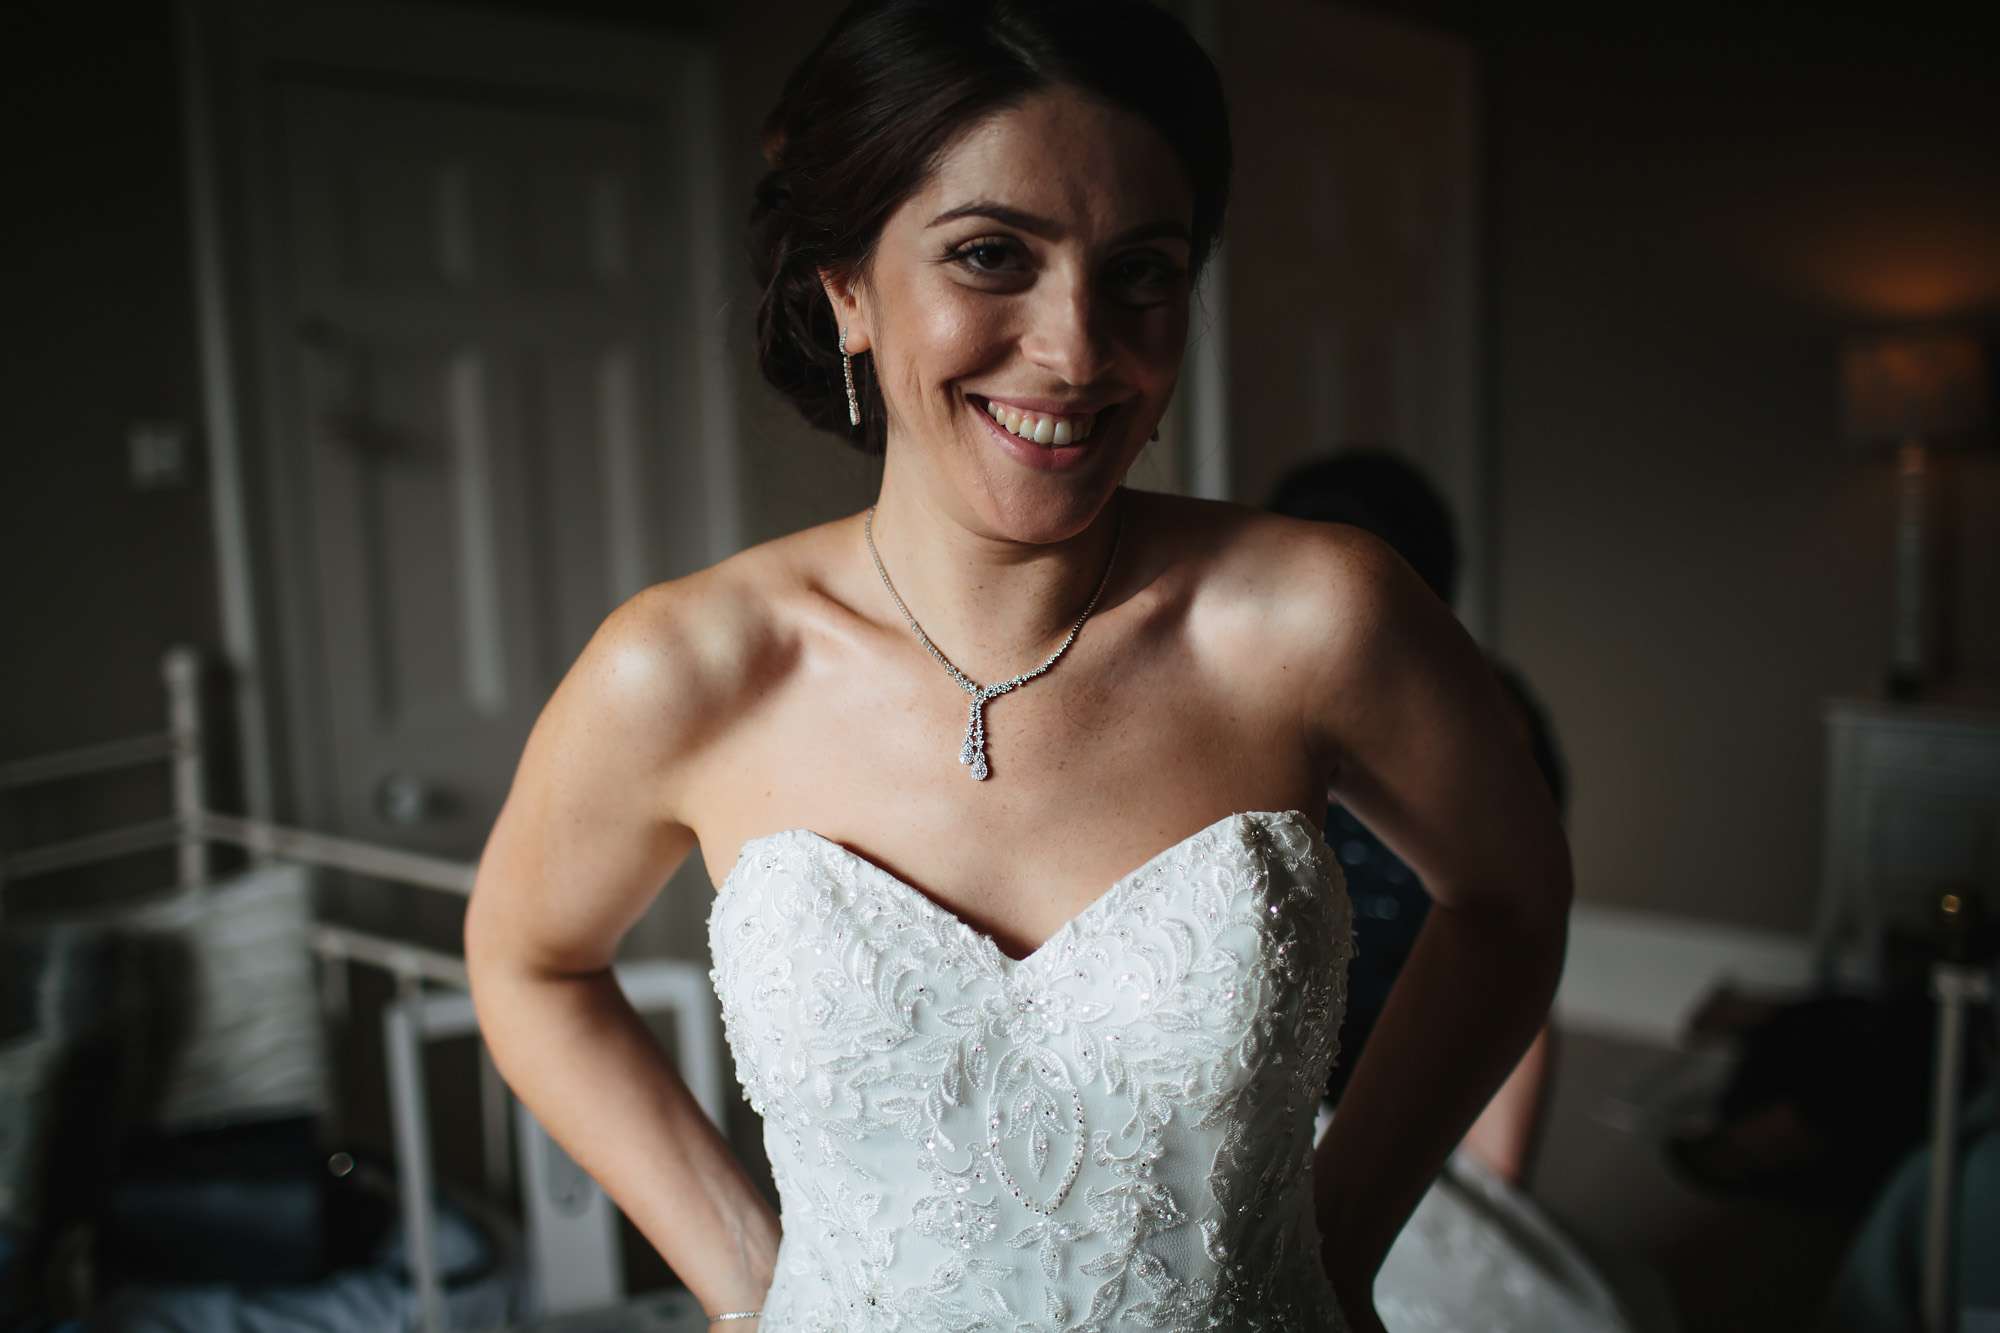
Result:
pixel 479 297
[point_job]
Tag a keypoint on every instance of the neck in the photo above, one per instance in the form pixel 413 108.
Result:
pixel 994 606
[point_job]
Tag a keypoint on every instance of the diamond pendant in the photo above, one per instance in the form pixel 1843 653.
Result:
pixel 973 750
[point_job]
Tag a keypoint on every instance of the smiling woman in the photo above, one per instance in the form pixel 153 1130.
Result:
pixel 867 117
pixel 1065 304
pixel 1040 1050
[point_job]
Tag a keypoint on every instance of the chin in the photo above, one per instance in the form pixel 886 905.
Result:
pixel 1041 493
pixel 1042 514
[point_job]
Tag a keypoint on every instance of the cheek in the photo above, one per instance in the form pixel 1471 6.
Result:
pixel 948 331
pixel 1159 341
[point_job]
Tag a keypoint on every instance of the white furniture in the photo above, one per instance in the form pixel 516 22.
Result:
pixel 1912 812
pixel 571 1241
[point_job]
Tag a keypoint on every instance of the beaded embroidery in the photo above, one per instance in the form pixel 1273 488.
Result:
pixel 1115 1131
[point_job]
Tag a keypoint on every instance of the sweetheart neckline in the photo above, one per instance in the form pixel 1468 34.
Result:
pixel 1002 958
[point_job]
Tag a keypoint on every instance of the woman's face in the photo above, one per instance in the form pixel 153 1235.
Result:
pixel 1041 272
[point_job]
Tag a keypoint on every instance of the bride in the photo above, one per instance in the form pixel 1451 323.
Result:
pixel 1030 951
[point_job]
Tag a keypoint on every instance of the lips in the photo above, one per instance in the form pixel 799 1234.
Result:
pixel 1050 457
pixel 1039 426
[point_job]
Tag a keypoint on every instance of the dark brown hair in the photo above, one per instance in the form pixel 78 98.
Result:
pixel 865 116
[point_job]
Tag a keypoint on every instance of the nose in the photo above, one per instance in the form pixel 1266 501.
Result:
pixel 1064 335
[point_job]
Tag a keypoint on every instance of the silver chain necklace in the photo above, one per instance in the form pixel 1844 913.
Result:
pixel 973 751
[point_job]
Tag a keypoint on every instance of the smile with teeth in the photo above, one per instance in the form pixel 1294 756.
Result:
pixel 1038 428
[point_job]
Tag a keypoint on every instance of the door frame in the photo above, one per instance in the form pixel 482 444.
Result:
pixel 229 50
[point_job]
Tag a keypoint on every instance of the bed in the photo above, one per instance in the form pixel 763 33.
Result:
pixel 182 1040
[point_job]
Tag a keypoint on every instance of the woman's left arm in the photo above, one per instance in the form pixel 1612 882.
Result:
pixel 1416 733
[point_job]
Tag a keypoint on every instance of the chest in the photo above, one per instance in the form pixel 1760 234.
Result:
pixel 1120 1122
pixel 1185 972
pixel 1092 768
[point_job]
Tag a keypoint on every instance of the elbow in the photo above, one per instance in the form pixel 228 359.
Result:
pixel 477 940
pixel 1534 907
pixel 490 970
pixel 1559 881
pixel 471 932
pixel 1544 900
pixel 1550 907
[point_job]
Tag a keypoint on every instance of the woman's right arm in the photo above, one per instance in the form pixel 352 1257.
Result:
pixel 590 831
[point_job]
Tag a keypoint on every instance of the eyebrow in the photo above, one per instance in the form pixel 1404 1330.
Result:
pixel 1041 226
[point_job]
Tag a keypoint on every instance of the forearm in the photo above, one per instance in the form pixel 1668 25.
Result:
pixel 581 1058
pixel 1508 1131
pixel 1468 1002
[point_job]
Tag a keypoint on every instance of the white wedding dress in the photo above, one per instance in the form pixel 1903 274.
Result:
pixel 1113 1132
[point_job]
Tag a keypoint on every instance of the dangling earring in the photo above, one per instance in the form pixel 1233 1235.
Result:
pixel 847 369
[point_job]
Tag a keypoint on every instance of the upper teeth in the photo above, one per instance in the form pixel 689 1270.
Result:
pixel 1040 429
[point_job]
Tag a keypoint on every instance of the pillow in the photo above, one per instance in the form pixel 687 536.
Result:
pixel 27 1110
pixel 72 1063
pixel 126 1026
pixel 247 1041
pixel 211 998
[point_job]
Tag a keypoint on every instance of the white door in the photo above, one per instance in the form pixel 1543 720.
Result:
pixel 487 349
pixel 480 263
pixel 481 295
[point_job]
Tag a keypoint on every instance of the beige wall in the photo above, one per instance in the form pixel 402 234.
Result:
pixel 97 578
pixel 1681 234
pixel 1678 233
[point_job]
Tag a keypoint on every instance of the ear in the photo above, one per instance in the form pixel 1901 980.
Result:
pixel 849 298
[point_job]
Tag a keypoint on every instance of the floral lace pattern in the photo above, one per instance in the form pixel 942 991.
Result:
pixel 1113 1132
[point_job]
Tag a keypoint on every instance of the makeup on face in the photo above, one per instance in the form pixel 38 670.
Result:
pixel 1038 284
pixel 1045 440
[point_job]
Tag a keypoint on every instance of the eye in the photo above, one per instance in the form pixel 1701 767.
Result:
pixel 988 254
pixel 1145 271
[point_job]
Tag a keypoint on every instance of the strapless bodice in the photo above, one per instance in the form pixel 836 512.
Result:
pixel 1115 1131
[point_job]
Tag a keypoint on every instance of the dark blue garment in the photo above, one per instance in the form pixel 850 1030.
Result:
pixel 1390 903
pixel 1389 909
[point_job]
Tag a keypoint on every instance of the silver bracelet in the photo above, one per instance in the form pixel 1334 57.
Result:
pixel 735 1314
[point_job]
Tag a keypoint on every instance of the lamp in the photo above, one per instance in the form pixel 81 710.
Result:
pixel 1909 394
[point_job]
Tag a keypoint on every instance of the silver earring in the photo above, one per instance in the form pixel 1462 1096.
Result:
pixel 847 369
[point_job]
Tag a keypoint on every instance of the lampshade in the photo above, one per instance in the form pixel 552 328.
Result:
pixel 1932 389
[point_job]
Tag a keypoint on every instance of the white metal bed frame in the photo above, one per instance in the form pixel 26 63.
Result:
pixel 571 1225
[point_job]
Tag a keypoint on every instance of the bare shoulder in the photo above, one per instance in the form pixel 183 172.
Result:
pixel 1291 584
pixel 1397 703
pixel 597 817
pixel 1317 622
pixel 674 667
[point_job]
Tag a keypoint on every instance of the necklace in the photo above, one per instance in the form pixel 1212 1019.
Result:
pixel 973 750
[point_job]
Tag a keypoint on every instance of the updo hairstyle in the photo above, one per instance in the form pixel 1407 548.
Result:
pixel 865 116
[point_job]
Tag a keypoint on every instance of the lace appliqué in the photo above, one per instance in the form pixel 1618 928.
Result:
pixel 1113 1132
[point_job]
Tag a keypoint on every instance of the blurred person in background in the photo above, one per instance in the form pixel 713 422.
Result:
pixel 1478 1252
pixel 1382 493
